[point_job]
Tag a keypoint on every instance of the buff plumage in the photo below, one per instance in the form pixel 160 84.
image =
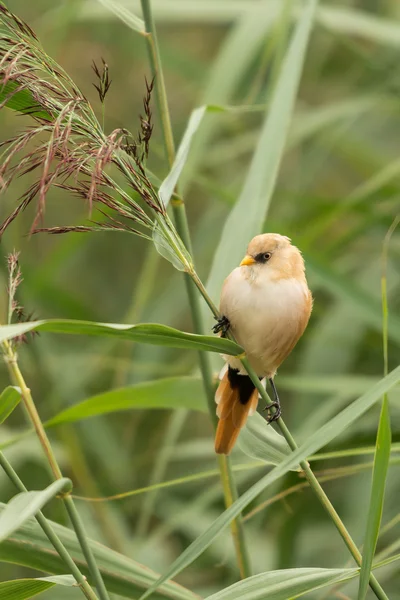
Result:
pixel 268 304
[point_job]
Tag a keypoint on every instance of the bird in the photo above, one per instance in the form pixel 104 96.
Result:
pixel 266 305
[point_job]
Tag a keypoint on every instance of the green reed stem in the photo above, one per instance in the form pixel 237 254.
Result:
pixel 157 72
pixel 16 375
pixel 181 223
pixel 51 535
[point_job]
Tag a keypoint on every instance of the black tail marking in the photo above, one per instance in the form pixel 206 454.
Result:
pixel 243 383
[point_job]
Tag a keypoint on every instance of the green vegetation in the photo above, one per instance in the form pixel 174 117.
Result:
pixel 254 116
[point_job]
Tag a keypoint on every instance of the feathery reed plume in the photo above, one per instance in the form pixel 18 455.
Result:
pixel 69 149
pixel 103 78
pixel 14 307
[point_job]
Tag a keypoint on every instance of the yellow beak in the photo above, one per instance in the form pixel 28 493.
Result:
pixel 248 260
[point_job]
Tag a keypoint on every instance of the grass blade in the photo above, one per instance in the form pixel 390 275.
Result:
pixel 25 505
pixel 168 185
pixel 342 20
pixel 21 101
pixel 146 333
pixel 381 464
pixel 125 15
pixel 9 399
pixel 283 584
pixel 169 393
pixel 246 218
pixel 22 589
pixel 233 61
pixel 263 443
pixel 383 443
pixel 322 437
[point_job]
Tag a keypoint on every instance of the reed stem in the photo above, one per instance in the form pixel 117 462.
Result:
pixel 181 223
pixel 16 375
pixel 51 535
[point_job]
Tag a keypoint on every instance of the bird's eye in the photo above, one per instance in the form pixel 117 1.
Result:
pixel 263 257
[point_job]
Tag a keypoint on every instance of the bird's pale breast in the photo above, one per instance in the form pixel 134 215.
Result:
pixel 267 317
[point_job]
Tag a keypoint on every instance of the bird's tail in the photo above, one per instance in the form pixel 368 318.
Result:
pixel 236 399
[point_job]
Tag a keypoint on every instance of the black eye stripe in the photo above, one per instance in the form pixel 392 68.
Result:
pixel 263 257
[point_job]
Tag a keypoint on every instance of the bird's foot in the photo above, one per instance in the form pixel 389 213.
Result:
pixel 273 416
pixel 222 326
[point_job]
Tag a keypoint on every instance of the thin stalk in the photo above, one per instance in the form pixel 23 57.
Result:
pixel 16 375
pixel 157 72
pixel 385 315
pixel 312 480
pixel 12 364
pixel 181 223
pixel 51 535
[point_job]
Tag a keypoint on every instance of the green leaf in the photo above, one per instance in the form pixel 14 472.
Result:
pixel 338 19
pixel 381 463
pixel 21 101
pixel 125 15
pixel 247 216
pixel 228 70
pixel 321 438
pixel 168 185
pixel 21 589
pixel 349 21
pixel 122 575
pixel 9 399
pixel 164 248
pixel 146 333
pixel 25 505
pixel 283 584
pixel 262 442
pixel 171 393
pixel 383 440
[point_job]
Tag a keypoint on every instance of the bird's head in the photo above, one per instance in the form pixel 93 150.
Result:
pixel 273 255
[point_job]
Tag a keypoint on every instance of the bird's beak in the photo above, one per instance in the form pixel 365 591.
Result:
pixel 248 260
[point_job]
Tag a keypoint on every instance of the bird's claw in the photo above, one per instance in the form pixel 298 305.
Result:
pixel 222 326
pixel 275 415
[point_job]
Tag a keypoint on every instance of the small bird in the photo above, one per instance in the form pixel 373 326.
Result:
pixel 266 305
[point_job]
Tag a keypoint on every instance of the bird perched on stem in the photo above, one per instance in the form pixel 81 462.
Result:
pixel 266 304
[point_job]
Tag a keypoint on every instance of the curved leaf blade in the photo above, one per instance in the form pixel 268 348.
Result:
pixel 25 505
pixel 168 185
pixel 381 464
pixel 21 101
pixel 230 66
pixel 9 399
pixel 145 333
pixel 257 440
pixel 168 393
pixel 125 15
pixel 283 584
pixel 22 589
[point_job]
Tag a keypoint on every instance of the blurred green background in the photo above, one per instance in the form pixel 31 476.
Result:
pixel 337 194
